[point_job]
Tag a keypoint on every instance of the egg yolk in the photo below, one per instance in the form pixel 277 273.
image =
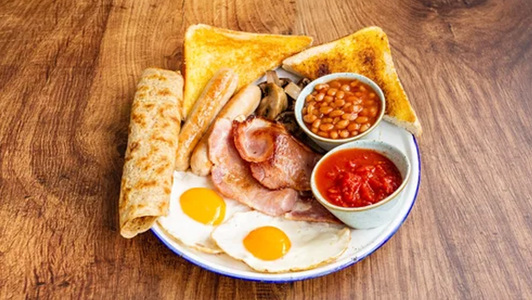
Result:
pixel 203 205
pixel 267 243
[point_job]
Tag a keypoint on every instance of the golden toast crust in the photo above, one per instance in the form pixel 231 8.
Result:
pixel 366 52
pixel 208 49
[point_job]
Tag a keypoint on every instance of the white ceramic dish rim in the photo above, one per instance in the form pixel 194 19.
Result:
pixel 264 277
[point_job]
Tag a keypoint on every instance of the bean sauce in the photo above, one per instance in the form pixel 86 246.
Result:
pixel 341 108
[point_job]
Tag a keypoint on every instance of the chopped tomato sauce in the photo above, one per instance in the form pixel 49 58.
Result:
pixel 357 178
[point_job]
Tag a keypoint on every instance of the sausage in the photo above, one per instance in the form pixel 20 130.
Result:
pixel 213 98
pixel 243 103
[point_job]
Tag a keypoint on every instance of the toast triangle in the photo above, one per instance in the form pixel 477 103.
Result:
pixel 366 52
pixel 250 55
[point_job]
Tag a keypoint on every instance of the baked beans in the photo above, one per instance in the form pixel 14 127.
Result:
pixel 341 108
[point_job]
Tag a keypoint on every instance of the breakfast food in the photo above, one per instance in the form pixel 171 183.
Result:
pixel 269 244
pixel 357 178
pixel 277 160
pixel 308 209
pixel 274 102
pixel 249 193
pixel 151 149
pixel 208 49
pixel 366 52
pixel 198 210
pixel 243 104
pixel 232 177
pixel 341 108
pixel 216 94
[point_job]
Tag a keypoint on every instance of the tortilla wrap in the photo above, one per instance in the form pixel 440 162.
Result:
pixel 154 126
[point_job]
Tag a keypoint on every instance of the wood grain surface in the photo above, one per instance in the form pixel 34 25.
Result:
pixel 68 71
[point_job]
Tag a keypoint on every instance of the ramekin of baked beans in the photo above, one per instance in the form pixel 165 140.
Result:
pixel 340 107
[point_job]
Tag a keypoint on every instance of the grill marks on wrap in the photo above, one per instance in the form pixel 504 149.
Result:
pixel 150 156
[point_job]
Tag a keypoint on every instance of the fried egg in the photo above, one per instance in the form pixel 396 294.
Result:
pixel 196 208
pixel 274 244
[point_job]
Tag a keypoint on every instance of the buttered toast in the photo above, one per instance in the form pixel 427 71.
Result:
pixel 250 55
pixel 366 52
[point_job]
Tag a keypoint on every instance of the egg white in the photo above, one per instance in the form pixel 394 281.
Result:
pixel 312 244
pixel 186 230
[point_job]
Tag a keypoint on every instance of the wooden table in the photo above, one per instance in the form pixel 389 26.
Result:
pixel 68 71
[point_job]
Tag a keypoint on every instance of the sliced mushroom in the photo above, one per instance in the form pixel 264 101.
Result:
pixel 288 119
pixel 274 102
pixel 262 87
pixel 285 81
pixel 271 77
pixel 303 82
pixel 292 90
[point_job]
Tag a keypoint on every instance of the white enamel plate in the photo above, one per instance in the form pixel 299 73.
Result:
pixel 363 242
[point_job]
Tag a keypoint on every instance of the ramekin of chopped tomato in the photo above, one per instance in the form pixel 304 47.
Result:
pixel 360 182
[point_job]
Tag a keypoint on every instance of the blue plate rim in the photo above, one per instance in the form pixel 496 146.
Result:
pixel 303 277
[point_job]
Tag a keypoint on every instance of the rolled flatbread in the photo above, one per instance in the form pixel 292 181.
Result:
pixel 154 127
